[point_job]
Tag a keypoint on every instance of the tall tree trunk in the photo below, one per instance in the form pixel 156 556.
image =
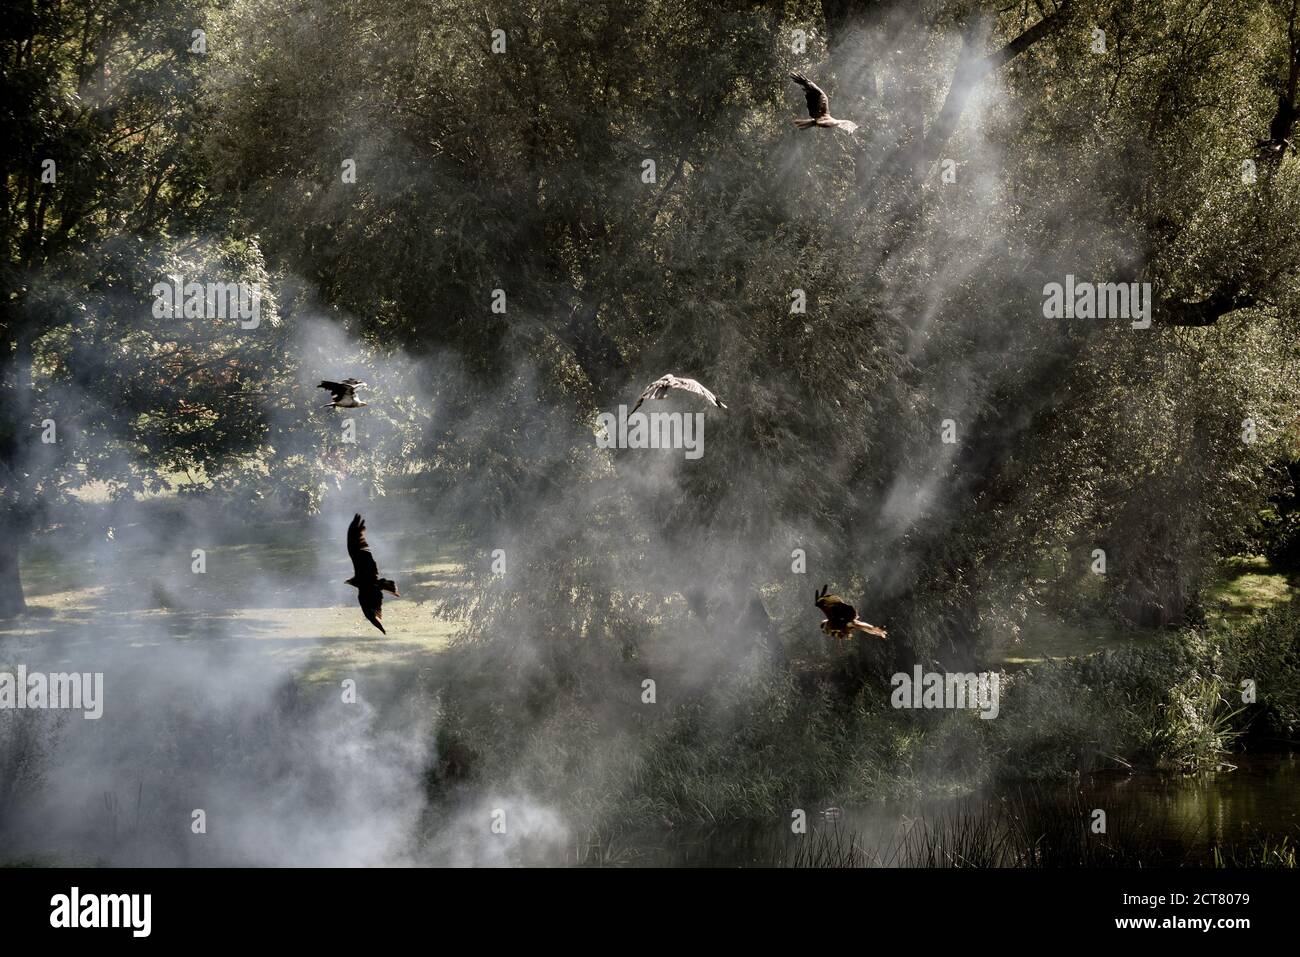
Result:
pixel 16 380
pixel 12 535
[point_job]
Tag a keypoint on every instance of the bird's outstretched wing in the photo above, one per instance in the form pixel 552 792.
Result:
pixel 337 389
pixel 690 385
pixel 661 386
pixel 372 606
pixel 649 392
pixel 819 103
pixel 363 562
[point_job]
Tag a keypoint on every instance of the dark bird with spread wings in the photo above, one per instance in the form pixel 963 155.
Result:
pixel 841 617
pixel 819 107
pixel 365 575
pixel 664 384
pixel 344 393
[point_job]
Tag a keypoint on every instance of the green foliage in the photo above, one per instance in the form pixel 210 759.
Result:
pixel 1268 852
pixel 1266 649
pixel 1176 704
pixel 764 739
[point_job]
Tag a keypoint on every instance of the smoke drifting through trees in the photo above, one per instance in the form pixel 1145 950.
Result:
pixel 523 171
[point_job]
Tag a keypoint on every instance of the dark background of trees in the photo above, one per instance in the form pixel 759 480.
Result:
pixel 522 171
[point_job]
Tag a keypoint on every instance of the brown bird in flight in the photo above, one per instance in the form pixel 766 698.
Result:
pixel 819 107
pixel 841 617
pixel 661 386
pixel 365 575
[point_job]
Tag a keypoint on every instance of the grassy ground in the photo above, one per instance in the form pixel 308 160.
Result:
pixel 1248 584
pixel 281 585
pixel 1245 585
pixel 277 587
pixel 1043 637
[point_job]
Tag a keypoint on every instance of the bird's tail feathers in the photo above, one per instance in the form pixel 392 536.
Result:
pixel 848 126
pixel 861 625
pixel 387 584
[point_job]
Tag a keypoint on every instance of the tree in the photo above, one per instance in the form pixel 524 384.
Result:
pixel 524 171
pixel 107 194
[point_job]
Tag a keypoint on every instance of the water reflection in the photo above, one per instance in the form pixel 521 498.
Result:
pixel 1150 819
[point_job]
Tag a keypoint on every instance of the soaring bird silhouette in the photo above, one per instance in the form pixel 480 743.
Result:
pixel 365 575
pixel 841 617
pixel 661 386
pixel 345 393
pixel 819 107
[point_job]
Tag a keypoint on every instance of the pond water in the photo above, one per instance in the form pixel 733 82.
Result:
pixel 1150 819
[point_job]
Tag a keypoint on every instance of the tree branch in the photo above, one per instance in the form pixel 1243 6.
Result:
pixel 1205 312
pixel 971 70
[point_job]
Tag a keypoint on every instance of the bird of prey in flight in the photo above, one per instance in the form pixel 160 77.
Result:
pixel 365 575
pixel 661 387
pixel 841 617
pixel 344 393
pixel 819 107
